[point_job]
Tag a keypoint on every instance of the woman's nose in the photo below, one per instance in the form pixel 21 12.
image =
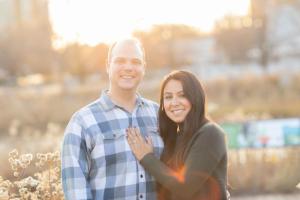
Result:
pixel 174 101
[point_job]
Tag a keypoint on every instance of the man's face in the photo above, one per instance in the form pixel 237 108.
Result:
pixel 126 66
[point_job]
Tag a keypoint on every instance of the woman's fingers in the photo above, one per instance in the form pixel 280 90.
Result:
pixel 131 133
pixel 128 134
pixel 138 134
pixel 135 137
pixel 149 140
pixel 139 146
pixel 130 137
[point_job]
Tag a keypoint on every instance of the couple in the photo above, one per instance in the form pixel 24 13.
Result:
pixel 123 146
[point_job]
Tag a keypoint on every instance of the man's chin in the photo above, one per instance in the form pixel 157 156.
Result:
pixel 128 88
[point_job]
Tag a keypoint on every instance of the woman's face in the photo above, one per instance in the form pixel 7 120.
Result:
pixel 176 105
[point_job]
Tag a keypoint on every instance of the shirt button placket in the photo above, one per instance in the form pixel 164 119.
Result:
pixel 141 180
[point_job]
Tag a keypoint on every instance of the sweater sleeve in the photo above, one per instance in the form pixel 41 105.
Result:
pixel 205 154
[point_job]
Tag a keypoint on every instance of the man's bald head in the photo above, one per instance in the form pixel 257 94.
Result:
pixel 128 41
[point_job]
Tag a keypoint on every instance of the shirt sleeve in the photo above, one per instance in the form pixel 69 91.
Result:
pixel 206 152
pixel 75 162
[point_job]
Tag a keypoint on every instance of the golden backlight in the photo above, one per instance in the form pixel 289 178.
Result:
pixel 94 21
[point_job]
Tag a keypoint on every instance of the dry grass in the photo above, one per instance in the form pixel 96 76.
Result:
pixel 255 97
pixel 264 170
pixel 36 175
pixel 44 184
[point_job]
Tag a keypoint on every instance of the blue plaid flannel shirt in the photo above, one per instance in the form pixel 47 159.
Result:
pixel 97 162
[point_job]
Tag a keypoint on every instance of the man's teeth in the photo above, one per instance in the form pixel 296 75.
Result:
pixel 127 77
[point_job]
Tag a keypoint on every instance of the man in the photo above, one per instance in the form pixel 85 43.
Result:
pixel 97 162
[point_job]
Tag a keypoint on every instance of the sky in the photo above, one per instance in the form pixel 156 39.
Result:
pixel 94 21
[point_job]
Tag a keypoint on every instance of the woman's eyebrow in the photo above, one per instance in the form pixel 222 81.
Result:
pixel 181 91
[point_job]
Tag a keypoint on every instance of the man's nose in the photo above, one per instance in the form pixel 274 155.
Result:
pixel 128 65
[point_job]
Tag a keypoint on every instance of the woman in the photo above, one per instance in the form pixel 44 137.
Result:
pixel 193 164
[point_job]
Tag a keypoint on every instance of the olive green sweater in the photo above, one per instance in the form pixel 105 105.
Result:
pixel 205 167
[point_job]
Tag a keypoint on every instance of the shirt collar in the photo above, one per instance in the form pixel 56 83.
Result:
pixel 108 104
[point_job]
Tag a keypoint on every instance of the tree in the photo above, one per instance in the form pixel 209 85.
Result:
pixel 159 43
pixel 260 18
pixel 82 60
pixel 235 36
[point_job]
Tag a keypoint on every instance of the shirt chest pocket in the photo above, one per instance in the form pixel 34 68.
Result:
pixel 113 135
pixel 114 141
pixel 114 144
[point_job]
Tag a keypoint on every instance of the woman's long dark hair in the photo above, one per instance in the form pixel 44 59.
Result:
pixel 194 92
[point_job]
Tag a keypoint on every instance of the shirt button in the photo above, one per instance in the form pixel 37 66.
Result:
pixel 141 176
pixel 141 196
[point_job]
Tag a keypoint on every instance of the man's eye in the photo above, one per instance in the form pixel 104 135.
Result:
pixel 119 61
pixel 136 62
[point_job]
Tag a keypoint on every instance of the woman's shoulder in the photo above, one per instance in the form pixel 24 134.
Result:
pixel 211 138
pixel 211 130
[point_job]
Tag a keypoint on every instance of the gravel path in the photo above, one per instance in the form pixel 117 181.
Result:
pixel 295 196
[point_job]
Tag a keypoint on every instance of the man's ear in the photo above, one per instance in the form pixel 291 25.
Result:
pixel 145 65
pixel 107 66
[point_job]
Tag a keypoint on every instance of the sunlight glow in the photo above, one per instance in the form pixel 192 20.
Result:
pixel 94 21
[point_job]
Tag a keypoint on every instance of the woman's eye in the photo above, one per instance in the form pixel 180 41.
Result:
pixel 168 97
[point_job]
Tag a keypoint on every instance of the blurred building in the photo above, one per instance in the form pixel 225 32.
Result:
pixel 277 24
pixel 19 12
pixel 25 37
pixel 200 51
pixel 280 21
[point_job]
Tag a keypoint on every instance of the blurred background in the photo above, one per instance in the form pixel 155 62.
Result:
pixel 246 53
